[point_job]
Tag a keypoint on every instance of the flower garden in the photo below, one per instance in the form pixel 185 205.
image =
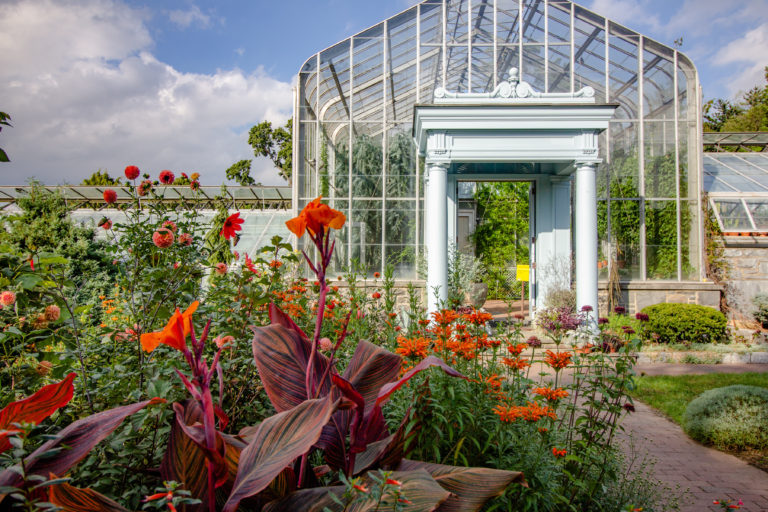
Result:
pixel 156 368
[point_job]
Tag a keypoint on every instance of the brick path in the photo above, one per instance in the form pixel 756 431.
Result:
pixel 706 473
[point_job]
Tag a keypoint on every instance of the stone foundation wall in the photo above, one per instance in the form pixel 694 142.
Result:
pixel 748 258
pixel 635 295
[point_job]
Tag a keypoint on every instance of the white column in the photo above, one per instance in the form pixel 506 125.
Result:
pixel 585 239
pixel 436 234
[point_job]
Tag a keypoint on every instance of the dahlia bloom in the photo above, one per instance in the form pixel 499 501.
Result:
pixel 231 226
pixel 144 188
pixel 52 313
pixel 7 298
pixel 185 239
pixel 132 172
pixel 110 196
pixel 221 268
pixel 167 177
pixel 170 225
pixel 163 238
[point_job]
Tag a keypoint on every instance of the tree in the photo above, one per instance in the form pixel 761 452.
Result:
pixel 101 179
pixel 274 143
pixel 749 114
pixel 4 118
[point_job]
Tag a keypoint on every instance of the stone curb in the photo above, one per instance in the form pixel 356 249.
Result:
pixel 704 357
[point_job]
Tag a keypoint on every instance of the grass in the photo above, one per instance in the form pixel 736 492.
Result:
pixel 672 394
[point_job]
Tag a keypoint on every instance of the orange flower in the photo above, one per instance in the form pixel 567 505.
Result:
pixel 315 217
pixel 558 453
pixel 516 348
pixel 174 334
pixel 412 347
pixel 516 363
pixel 550 393
pixel 558 360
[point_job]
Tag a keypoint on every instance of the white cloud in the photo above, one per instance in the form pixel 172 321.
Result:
pixel 631 13
pixel 102 100
pixel 185 19
pixel 745 50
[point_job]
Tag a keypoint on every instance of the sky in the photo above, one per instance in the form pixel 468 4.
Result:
pixel 176 84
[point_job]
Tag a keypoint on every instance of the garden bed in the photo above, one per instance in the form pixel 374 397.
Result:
pixel 670 395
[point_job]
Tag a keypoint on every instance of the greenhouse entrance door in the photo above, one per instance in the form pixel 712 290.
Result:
pixel 516 133
pixel 494 223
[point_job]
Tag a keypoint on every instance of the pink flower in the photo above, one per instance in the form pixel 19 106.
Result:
pixel 166 177
pixel 163 238
pixel 7 298
pixel 221 268
pixel 185 239
pixel 175 265
pixel 224 341
pixel 144 188
pixel 52 313
pixel 236 255
pixel 132 172
pixel 325 344
pixel 110 196
pixel 170 225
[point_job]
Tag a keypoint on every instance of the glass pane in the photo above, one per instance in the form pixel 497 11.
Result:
pixel 366 228
pixel 482 69
pixel 660 159
pixel 589 57
pixel 624 174
pixel 401 163
pixel 625 237
pixel 759 210
pixel 368 88
pixel 623 67
pixel 507 28
pixel 367 160
pixel 732 215
pixel 559 67
pixel 658 82
pixel 661 239
pixel 533 21
pixel 456 22
pixel 533 66
pixel 559 22
pixel 456 77
pixel 482 22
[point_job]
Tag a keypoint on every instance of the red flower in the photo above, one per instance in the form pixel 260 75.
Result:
pixel 376 275
pixel 185 239
pixel 315 217
pixel 195 185
pixel 106 224
pixel 166 177
pixel 231 226
pixel 376 295
pixel 132 172
pixel 558 453
pixel 110 196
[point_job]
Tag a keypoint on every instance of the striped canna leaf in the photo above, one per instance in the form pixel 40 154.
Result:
pixel 72 443
pixel 35 408
pixel 418 488
pixel 470 488
pixel 278 441
pixel 282 356
pixel 73 499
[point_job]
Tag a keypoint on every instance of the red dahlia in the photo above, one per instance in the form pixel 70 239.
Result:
pixel 132 172
pixel 231 226
pixel 110 196
pixel 167 177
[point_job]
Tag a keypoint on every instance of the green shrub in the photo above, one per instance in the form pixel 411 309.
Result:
pixel 672 323
pixel 732 417
pixel 761 303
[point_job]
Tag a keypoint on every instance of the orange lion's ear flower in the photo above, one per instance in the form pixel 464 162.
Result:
pixel 314 217
pixel 174 334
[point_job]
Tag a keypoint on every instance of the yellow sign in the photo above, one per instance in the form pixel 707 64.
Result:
pixel 523 273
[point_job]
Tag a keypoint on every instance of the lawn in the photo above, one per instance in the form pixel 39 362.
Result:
pixel 672 394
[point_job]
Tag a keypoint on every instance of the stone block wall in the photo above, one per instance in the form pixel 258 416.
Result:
pixel 748 259
pixel 635 295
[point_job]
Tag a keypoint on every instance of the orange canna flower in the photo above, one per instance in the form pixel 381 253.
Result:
pixel 315 217
pixel 174 334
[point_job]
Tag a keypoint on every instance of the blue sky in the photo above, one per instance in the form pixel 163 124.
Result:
pixel 100 84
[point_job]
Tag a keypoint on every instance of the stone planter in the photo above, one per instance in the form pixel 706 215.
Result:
pixel 477 294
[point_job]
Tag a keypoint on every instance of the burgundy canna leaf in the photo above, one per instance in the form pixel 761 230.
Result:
pixel 73 499
pixel 278 441
pixel 196 434
pixel 73 442
pixel 278 317
pixel 35 408
pixel 282 356
pixel 470 488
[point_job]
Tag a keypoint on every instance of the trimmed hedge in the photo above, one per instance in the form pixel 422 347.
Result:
pixel 675 323
pixel 732 417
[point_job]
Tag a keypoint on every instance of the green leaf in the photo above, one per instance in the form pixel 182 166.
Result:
pixel 278 440
pixel 29 280
pixel 4 155
pixel 470 488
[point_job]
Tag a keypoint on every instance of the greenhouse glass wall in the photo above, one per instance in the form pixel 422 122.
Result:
pixel 354 113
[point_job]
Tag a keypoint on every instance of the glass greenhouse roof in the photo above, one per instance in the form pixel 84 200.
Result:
pixel 737 184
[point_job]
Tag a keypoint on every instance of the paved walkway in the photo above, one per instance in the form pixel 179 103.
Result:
pixel 705 473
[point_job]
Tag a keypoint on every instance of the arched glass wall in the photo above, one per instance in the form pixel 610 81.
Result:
pixel 354 111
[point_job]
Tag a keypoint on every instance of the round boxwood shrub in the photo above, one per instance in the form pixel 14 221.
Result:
pixel 676 323
pixel 732 417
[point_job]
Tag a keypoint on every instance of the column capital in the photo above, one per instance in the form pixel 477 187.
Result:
pixel 590 164
pixel 436 165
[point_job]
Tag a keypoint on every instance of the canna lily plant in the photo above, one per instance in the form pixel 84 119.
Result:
pixel 319 409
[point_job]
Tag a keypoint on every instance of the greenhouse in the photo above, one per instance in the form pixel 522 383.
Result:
pixel 356 140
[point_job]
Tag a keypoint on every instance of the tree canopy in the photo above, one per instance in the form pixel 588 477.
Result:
pixel 101 179
pixel 748 114
pixel 274 143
